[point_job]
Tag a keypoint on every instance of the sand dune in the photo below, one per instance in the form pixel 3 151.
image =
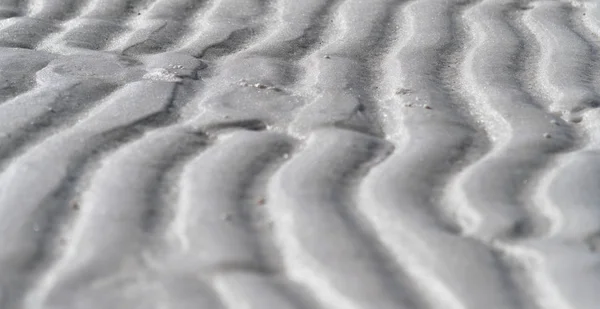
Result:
pixel 299 154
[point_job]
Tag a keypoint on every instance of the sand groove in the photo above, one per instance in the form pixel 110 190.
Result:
pixel 299 154
pixel 407 214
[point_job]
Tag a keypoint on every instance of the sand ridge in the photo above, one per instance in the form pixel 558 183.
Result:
pixel 299 154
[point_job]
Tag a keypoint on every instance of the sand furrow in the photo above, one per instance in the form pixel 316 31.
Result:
pixel 54 10
pixel 313 195
pixel 523 133
pixel 297 31
pixel 557 275
pixel 119 118
pixel 299 154
pixel 569 84
pixel 25 32
pixel 42 19
pixel 218 197
pixel 122 116
pixel 158 27
pixel 156 66
pixel 561 269
pixel 95 25
pixel 70 86
pixel 225 26
pixel 31 226
pixel 401 196
pixel 256 75
pixel 340 72
pixel 300 26
pixel 582 167
pixel 586 16
pixel 39 113
pixel 121 194
pixel 222 73
pixel 563 52
pixel 56 99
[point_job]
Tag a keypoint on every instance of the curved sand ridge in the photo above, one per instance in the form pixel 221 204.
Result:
pixel 299 154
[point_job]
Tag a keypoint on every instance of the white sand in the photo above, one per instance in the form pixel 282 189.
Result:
pixel 343 154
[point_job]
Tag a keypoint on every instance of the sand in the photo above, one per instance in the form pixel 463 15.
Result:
pixel 301 154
